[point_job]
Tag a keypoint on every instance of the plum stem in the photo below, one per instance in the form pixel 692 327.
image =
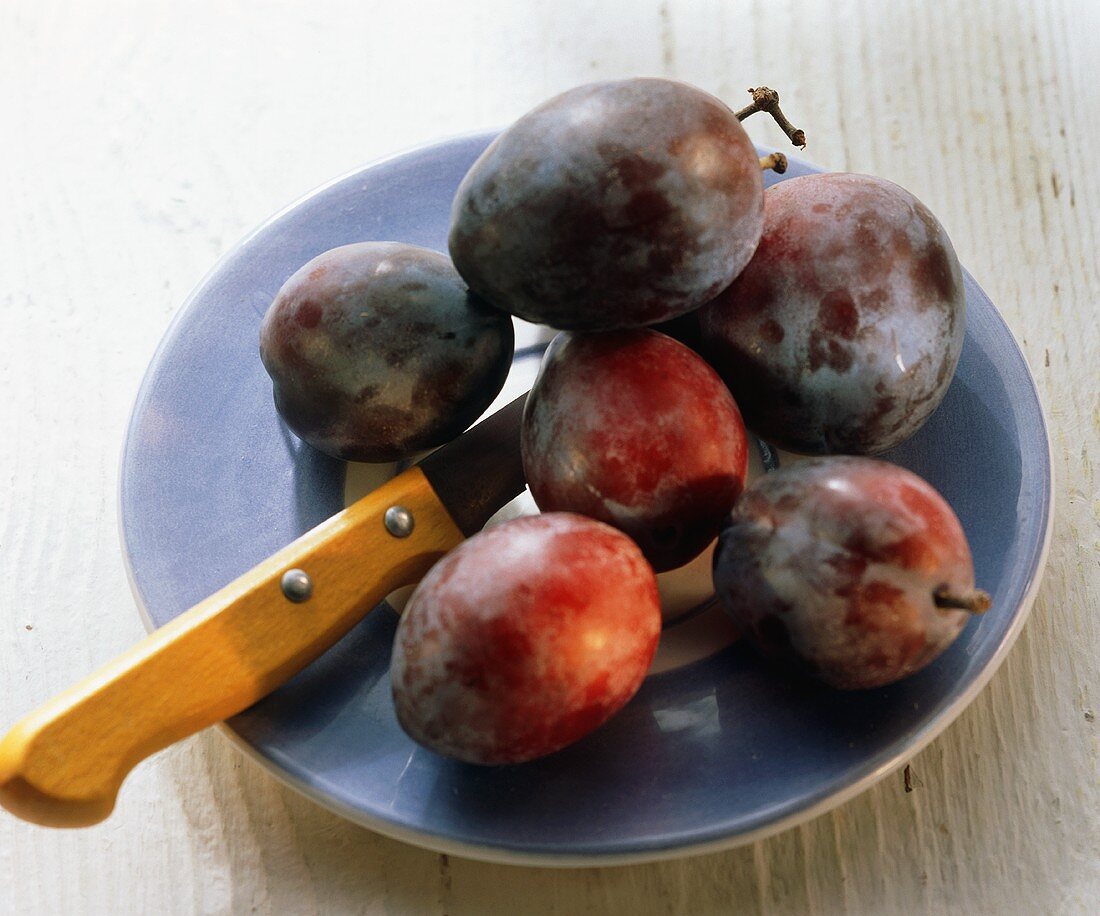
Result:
pixel 974 600
pixel 765 99
pixel 777 162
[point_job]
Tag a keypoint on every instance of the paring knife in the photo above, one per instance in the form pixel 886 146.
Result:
pixel 62 765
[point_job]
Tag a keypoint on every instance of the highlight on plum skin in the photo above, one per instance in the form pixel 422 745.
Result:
pixel 636 430
pixel 524 639
pixel 851 569
pixel 843 332
pixel 377 350
pixel 616 204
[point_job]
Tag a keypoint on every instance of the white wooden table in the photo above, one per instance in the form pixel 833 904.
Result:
pixel 140 140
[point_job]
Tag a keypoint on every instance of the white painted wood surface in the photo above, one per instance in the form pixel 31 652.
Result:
pixel 140 140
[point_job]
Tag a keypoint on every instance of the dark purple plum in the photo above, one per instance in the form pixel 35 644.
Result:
pixel 843 333
pixel 613 205
pixel 850 569
pixel 634 429
pixel 377 350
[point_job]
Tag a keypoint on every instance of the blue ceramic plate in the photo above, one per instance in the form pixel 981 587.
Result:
pixel 712 752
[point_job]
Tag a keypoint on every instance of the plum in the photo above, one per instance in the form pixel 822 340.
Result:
pixel 377 350
pixel 616 204
pixel 852 569
pixel 634 429
pixel 843 332
pixel 525 638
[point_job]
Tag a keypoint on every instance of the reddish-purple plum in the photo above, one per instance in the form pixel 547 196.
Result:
pixel 851 569
pixel 524 639
pixel 616 204
pixel 377 350
pixel 843 332
pixel 634 429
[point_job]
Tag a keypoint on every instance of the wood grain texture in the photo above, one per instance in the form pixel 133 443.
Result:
pixel 142 139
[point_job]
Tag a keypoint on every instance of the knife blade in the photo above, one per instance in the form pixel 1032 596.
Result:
pixel 63 764
pixel 475 475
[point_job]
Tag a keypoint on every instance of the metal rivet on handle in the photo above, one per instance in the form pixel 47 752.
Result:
pixel 399 521
pixel 297 585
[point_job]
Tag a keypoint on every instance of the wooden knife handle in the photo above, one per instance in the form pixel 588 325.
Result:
pixel 62 764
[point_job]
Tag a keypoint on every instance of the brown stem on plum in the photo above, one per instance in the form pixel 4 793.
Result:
pixel 777 162
pixel 765 99
pixel 974 600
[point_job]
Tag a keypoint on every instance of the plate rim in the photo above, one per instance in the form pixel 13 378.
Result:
pixel 917 742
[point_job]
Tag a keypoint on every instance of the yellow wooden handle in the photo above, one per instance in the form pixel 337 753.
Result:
pixel 62 764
